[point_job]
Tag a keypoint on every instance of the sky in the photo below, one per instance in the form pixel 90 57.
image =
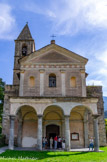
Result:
pixel 79 25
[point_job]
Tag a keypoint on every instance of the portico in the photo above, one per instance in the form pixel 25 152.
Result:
pixel 39 113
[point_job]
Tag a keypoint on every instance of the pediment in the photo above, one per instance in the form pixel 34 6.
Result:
pixel 53 54
pixel 53 57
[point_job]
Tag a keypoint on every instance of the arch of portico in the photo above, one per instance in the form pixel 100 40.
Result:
pixel 53 116
pixel 79 126
pixel 27 120
pixel 40 106
pixel 24 120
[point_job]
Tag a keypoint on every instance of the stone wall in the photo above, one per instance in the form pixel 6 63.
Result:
pixel 96 91
pixel 10 90
pixel 52 91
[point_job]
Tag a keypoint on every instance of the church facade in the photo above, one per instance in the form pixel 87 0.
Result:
pixel 49 97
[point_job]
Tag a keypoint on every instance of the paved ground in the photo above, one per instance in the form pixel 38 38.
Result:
pixel 72 150
pixel 3 149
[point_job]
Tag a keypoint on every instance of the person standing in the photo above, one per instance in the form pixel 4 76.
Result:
pixel 46 143
pixel 55 142
pixel 51 142
pixel 59 141
pixel 91 143
pixel 43 141
pixel 63 143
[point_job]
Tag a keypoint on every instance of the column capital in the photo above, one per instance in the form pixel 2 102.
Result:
pixel 67 116
pixel 12 117
pixel 20 120
pixel 39 115
pixel 82 71
pixel 22 71
pixel 95 116
pixel 42 70
pixel 62 71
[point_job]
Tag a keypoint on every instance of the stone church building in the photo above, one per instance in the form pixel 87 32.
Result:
pixel 49 97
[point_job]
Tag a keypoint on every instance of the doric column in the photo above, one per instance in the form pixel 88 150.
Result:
pixel 39 137
pixel 86 140
pixel 11 136
pixel 42 82
pixel 96 133
pixel 67 134
pixel 83 83
pixel 63 128
pixel 63 82
pixel 21 83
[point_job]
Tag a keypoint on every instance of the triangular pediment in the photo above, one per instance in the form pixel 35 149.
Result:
pixel 53 54
pixel 53 57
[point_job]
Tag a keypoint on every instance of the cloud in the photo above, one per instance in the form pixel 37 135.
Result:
pixel 94 82
pixel 98 70
pixel 70 17
pixel 33 7
pixel 103 58
pixel 7 22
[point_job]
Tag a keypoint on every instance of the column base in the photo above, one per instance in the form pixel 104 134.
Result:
pixel 11 148
pixel 66 149
pixel 96 150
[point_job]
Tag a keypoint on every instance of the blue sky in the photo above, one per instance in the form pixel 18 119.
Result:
pixel 80 26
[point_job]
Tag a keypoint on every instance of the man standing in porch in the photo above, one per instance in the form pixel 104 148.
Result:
pixel 55 142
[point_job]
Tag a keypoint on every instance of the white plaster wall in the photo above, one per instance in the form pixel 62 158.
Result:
pixel 29 142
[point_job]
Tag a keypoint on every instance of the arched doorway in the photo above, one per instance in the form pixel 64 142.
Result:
pixel 27 127
pixel 52 131
pixel 53 121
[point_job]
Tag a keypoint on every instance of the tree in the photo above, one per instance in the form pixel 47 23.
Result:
pixel 106 126
pixel 2 84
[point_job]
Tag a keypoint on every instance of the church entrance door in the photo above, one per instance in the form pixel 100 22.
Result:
pixel 52 131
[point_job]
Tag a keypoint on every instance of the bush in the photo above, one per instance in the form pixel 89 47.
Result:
pixel 0 130
pixel 2 140
pixel 106 126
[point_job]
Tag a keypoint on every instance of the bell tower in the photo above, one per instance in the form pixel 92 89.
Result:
pixel 24 45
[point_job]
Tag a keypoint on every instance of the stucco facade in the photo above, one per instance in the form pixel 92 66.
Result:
pixel 49 97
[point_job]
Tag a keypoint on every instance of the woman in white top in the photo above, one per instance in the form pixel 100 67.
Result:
pixel 51 142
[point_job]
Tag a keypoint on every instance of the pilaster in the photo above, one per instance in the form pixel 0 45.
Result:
pixel 83 83
pixel 21 83
pixel 86 140
pixel 96 133
pixel 11 136
pixel 63 82
pixel 41 82
pixel 39 135
pixel 19 140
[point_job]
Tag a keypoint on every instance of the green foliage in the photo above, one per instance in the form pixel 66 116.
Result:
pixel 2 84
pixel 2 140
pixel 49 156
pixel 106 126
